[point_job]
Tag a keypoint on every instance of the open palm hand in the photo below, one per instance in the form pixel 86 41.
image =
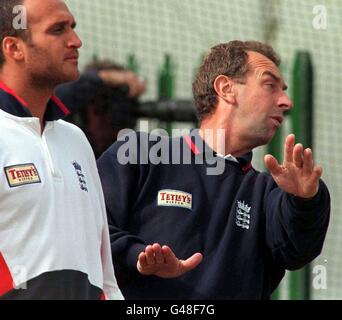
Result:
pixel 297 175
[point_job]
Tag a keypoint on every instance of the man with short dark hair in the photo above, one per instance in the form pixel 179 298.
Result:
pixel 243 228
pixel 54 241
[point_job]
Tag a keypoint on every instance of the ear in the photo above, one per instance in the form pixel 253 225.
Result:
pixel 12 48
pixel 224 88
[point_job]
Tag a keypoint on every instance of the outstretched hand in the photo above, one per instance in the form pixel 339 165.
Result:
pixel 162 262
pixel 297 175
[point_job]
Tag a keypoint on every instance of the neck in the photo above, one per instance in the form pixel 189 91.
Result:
pixel 36 98
pixel 221 138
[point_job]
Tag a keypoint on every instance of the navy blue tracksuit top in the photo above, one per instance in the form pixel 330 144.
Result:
pixel 248 230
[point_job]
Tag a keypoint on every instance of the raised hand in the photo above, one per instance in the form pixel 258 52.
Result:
pixel 115 78
pixel 297 175
pixel 162 262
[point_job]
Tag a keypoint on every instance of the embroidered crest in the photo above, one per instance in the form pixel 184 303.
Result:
pixel 243 215
pixel 80 176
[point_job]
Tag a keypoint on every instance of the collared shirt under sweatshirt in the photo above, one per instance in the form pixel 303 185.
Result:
pixel 247 228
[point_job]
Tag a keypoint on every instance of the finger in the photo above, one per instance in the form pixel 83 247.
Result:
pixel 133 90
pixel 142 87
pixel 142 262
pixel 288 147
pixel 308 163
pixel 272 165
pixel 191 262
pixel 133 84
pixel 159 257
pixel 150 255
pixel 137 87
pixel 314 180
pixel 131 87
pixel 317 172
pixel 169 256
pixel 298 155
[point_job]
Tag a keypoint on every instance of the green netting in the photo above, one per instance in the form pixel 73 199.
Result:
pixel 186 29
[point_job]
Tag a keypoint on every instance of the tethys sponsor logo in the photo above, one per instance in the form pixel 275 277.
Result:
pixel 175 198
pixel 22 174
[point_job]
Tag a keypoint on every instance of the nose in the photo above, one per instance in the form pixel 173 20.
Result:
pixel 285 102
pixel 75 41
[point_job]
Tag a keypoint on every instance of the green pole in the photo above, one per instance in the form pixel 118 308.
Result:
pixel 302 124
pixel 95 58
pixel 302 91
pixel 132 63
pixel 166 79
pixel 166 84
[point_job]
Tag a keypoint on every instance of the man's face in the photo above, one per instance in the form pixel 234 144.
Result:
pixel 261 100
pixel 51 52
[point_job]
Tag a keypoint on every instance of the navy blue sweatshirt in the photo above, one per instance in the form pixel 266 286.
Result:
pixel 248 230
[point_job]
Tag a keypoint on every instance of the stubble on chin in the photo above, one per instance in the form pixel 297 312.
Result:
pixel 51 78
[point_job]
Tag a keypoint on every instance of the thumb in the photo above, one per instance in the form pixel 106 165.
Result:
pixel 191 262
pixel 272 164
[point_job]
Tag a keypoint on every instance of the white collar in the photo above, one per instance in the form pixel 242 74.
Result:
pixel 227 157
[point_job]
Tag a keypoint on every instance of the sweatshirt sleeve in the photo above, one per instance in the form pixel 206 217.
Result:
pixel 110 286
pixel 296 228
pixel 77 94
pixel 120 185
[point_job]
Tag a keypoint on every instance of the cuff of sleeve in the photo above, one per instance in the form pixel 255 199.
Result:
pixel 132 255
pixel 305 204
pixel 92 76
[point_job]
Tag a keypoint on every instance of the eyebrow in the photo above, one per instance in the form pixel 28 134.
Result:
pixel 272 75
pixel 63 23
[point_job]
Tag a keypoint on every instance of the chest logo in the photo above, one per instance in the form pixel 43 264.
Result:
pixel 80 176
pixel 175 198
pixel 243 215
pixel 22 174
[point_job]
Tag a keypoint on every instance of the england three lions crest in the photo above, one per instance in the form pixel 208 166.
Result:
pixel 243 215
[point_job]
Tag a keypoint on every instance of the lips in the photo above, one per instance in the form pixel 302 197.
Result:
pixel 73 57
pixel 278 120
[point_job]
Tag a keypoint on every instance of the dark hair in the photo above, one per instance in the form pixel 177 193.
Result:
pixel 228 59
pixel 6 24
